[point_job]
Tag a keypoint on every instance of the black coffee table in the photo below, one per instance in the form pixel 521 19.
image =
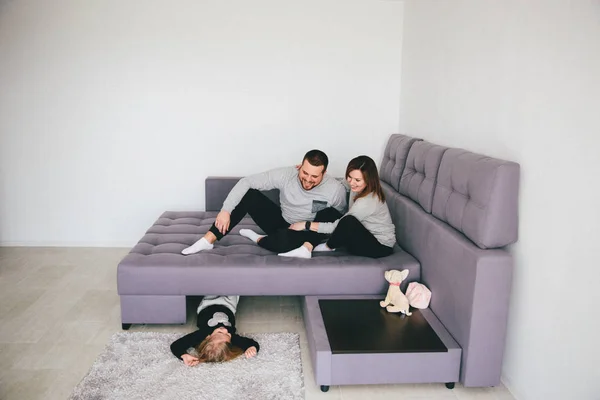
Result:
pixel 363 326
pixel 352 340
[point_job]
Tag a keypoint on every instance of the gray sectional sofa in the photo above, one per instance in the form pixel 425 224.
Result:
pixel 454 211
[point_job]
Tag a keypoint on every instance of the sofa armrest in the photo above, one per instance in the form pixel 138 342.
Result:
pixel 470 286
pixel 470 295
pixel 218 187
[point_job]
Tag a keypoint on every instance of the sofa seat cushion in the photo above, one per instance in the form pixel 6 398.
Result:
pixel 155 266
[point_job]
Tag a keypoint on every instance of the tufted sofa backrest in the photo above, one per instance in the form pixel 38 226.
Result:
pixel 420 173
pixel 478 196
pixel 394 159
pixel 475 194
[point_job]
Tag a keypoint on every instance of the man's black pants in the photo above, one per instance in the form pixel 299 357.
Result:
pixel 267 216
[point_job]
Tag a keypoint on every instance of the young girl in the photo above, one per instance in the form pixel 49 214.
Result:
pixel 365 230
pixel 215 340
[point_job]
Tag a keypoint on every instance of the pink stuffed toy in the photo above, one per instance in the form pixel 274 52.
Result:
pixel 418 295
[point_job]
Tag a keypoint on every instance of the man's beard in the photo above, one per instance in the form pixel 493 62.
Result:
pixel 304 184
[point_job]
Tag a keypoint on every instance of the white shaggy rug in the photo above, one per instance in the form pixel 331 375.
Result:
pixel 140 365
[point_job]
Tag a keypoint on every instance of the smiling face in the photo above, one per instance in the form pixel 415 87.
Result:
pixel 309 175
pixel 356 181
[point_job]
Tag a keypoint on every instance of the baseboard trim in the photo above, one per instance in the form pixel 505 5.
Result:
pixel 510 387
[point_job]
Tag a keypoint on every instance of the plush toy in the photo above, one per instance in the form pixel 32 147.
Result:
pixel 395 300
pixel 418 295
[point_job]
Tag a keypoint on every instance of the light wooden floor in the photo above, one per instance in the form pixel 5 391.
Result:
pixel 59 307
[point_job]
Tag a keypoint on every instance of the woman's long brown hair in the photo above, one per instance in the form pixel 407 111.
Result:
pixel 367 167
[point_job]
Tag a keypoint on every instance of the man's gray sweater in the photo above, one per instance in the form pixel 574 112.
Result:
pixel 297 204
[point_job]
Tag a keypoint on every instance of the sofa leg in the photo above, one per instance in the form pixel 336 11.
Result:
pixel 324 388
pixel 450 385
pixel 126 327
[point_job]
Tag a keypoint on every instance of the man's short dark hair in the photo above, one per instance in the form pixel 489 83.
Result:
pixel 316 158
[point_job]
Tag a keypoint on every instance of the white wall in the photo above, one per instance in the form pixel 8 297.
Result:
pixel 521 80
pixel 112 112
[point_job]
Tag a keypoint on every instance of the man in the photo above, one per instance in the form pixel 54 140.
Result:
pixel 303 192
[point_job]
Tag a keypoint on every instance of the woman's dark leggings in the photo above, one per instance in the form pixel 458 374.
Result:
pixel 357 239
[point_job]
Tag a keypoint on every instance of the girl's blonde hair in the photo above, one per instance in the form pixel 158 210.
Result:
pixel 209 351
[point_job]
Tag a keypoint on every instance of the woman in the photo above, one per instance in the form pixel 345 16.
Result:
pixel 365 230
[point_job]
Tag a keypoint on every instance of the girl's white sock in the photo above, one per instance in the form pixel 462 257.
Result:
pixel 300 252
pixel 250 234
pixel 200 245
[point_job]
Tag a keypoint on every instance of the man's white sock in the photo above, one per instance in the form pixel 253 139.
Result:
pixel 300 252
pixel 322 247
pixel 250 234
pixel 200 245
